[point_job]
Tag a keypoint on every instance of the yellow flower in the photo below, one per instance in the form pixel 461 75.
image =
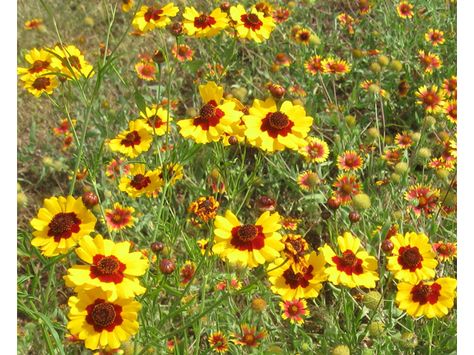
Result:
pixel 247 244
pixel 315 150
pixel 215 118
pixel 38 84
pixel 354 267
pixel 127 5
pixel 101 322
pixel 301 280
pixel 273 129
pixel 254 25
pixel 134 141
pixel 202 25
pixel 150 17
pixel 70 62
pixel 60 224
pixel 413 258
pixel 171 172
pixel 39 61
pixel 139 182
pixel 111 267
pixel 157 119
pixel 430 299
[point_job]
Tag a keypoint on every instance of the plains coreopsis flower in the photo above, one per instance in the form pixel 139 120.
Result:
pixel 39 84
pixel 119 217
pixel 156 119
pixel 140 182
pixel 110 267
pixel 422 199
pixel 353 267
pixel 249 337
pixel 431 98
pixel 171 173
pixel 247 244
pixel 294 310
pixel 134 141
pixel 218 342
pixel 100 322
pixel 39 62
pixel 150 17
pixel 405 10
pixel 349 161
pixel 300 280
pixel 430 299
pixel 204 208
pixel 71 62
pixel 253 25
pixel 413 258
pixel 435 37
pixel 60 224
pixel 127 5
pixel 215 118
pixel 271 128
pixel 202 24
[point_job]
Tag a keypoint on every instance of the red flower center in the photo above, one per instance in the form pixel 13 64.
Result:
pixel 104 315
pixel 39 66
pixel 63 225
pixel 298 279
pixel 152 14
pixel 293 310
pixel 276 123
pixel 248 237
pixel 131 139
pixel 209 116
pixel 425 293
pixel 405 9
pixel 430 99
pixel 304 36
pixel 203 21
pixel 251 21
pixel 140 181
pixel 41 83
pixel 156 121
pixel 107 269
pixel 410 258
pixel 348 263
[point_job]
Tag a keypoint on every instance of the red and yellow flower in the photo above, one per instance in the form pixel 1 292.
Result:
pixel 134 141
pixel 422 199
pixel 308 180
pixel 150 17
pixel 346 186
pixel 157 119
pixel 413 258
pixel 354 267
pixel 248 245
pixel 253 25
pixel 294 310
pixel 314 65
pixel 403 140
pixel 431 98
pixel 435 37
pixel 445 251
pixel 187 272
pixel 429 61
pixel 335 66
pixel 38 84
pixel 315 150
pixel 119 217
pixel 60 224
pixel 102 323
pixel 71 62
pixel 204 208
pixel 215 118
pixel 182 52
pixel 430 299
pixel 140 182
pixel 273 129
pixel 249 337
pixel 33 24
pixel 146 69
pixel 39 61
pixel 218 342
pixel 110 267
pixel 349 161
pixel 202 24
pixel 405 10
pixel 127 5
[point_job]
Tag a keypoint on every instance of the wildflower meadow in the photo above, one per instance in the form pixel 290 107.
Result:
pixel 202 177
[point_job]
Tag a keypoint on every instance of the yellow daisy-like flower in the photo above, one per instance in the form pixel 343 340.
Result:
pixel 405 10
pixel 248 244
pixel 139 182
pixel 60 224
pixel 354 267
pixel 202 25
pixel 127 5
pixel 301 280
pixel 413 258
pixel 134 141
pixel 150 17
pixel 157 119
pixel 431 98
pixel 70 61
pixel 315 150
pixel 215 118
pixel 430 299
pixel 39 61
pixel 273 129
pixel 38 84
pixel 100 322
pixel 254 25
pixel 111 267
pixel 171 172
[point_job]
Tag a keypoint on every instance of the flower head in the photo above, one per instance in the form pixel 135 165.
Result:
pixel 405 9
pixel 38 84
pixel 248 244
pixel 435 37
pixel 110 267
pixel 422 199
pixel 314 65
pixel 157 119
pixel 150 17
pixel 253 25
pixel 308 180
pixel 146 70
pixel 140 182
pixel 116 167
pixel 33 24
pixel 60 224
pixel 445 251
pixel 249 337
pixel 187 272
pixel 182 52
pixel 202 24
pixel 315 150
pixel 430 299
pixel 39 62
pixel 346 186
pixel 431 98
pixel 294 310
pixel 429 61
pixel 218 342
pixel 413 258
pixel 119 217
pixel 349 161
pixel 353 267
pixel 134 141
pixel 204 208
pixel 335 66
pixel 71 62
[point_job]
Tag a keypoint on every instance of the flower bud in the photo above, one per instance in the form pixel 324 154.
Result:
pixel 383 60
pixel 176 29
pixel 325 214
pixel 409 340
pixel 341 350
pixel 375 68
pixel 225 6
pixel 90 199
pixel 157 247
pixel 387 246
pixel 354 216
pixel 373 132
pixel 429 121
pixel 361 201
pixel 372 299
pixel 424 153
pixel 357 53
pixel 395 178
pixel 158 57
pixel 333 203
pixel 401 168
pixel 396 65
pixel 276 90
pixel 350 120
pixel 265 203
pixel 167 266
pixel 233 140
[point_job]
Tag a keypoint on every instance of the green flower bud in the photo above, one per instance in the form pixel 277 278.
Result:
pixel 424 153
pixel 383 60
pixel 350 120
pixel 341 350
pixel 401 168
pixel 396 65
pixel 372 299
pixel 376 329
pixel 395 178
pixel 375 67
pixel 361 201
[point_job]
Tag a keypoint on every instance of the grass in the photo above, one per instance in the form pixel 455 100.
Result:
pixel 188 314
